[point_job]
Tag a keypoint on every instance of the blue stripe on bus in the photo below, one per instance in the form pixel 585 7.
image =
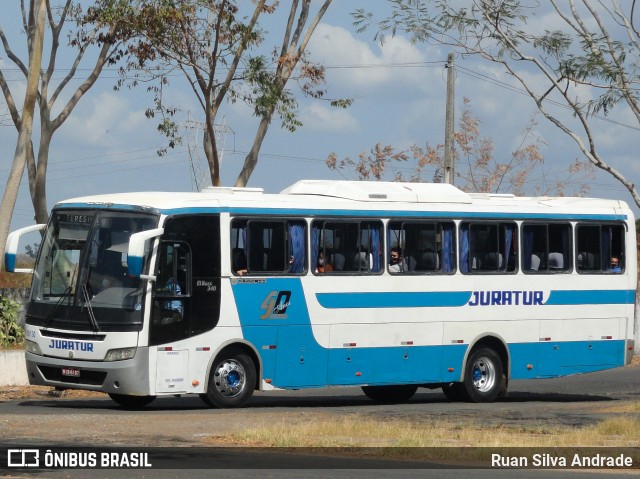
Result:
pixel 432 299
pixel 436 299
pixel 591 296
pixel 279 327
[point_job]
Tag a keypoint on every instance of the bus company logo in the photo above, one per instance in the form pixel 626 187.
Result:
pixel 506 298
pixel 275 305
pixel 70 345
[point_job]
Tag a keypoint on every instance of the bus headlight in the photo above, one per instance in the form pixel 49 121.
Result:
pixel 32 347
pixel 120 354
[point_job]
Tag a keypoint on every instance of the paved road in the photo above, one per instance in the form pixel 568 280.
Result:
pixel 577 400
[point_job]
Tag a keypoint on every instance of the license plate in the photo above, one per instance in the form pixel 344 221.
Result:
pixel 71 372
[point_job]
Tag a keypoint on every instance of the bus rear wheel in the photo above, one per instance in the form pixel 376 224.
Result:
pixel 131 402
pixel 483 376
pixel 231 381
pixel 390 394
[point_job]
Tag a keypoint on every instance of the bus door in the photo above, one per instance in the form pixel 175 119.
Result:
pixel 186 300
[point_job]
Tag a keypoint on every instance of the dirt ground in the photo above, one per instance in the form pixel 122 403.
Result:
pixel 8 393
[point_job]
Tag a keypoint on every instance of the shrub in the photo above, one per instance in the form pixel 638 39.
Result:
pixel 11 333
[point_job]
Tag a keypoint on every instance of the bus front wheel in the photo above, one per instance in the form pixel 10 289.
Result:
pixel 232 380
pixel 483 376
pixel 131 402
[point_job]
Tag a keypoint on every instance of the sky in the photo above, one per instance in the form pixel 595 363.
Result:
pixel 398 90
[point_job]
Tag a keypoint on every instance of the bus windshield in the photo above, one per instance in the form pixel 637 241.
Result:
pixel 81 280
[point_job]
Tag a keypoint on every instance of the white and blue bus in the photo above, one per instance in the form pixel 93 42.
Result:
pixel 386 286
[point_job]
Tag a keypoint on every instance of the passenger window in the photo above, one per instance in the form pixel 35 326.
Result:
pixel 346 247
pixel 546 248
pixel 420 247
pixel 600 248
pixel 488 247
pixel 268 247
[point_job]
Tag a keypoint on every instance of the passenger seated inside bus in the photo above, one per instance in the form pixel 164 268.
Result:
pixel 614 265
pixel 396 261
pixel 323 266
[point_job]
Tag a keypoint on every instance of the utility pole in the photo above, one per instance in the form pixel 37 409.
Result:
pixel 449 166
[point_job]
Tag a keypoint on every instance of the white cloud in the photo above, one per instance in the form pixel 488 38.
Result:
pixel 318 117
pixel 105 117
pixel 356 65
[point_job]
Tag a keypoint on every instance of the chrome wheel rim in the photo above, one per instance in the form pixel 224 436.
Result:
pixel 230 378
pixel 483 374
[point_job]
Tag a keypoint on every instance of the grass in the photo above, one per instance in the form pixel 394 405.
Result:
pixel 359 431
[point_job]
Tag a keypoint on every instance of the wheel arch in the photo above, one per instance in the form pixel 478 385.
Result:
pixel 241 346
pixel 495 342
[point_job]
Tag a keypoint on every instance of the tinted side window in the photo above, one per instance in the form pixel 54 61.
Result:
pixel 546 248
pixel 420 247
pixel 488 247
pixel 268 247
pixel 346 247
pixel 600 248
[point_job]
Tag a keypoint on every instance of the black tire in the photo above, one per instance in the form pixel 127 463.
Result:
pixel 455 392
pixel 390 394
pixel 131 402
pixel 483 376
pixel 232 380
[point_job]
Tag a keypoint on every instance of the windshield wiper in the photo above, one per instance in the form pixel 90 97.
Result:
pixel 87 302
pixel 65 295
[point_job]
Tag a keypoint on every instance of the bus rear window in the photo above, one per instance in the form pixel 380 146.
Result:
pixel 600 248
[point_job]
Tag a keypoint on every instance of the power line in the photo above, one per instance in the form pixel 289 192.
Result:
pixel 386 65
pixel 493 81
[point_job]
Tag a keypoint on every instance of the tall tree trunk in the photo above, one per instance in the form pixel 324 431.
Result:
pixel 39 197
pixel 294 44
pixel 26 125
pixel 251 159
pixel 211 152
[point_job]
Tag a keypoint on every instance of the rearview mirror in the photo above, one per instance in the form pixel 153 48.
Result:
pixel 11 248
pixel 138 248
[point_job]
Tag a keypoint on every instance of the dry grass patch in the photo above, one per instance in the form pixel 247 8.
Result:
pixel 399 434
pixel 623 407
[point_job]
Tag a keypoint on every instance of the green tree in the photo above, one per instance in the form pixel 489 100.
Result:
pixel 588 62
pixel 272 93
pixel 216 49
pixel 11 333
